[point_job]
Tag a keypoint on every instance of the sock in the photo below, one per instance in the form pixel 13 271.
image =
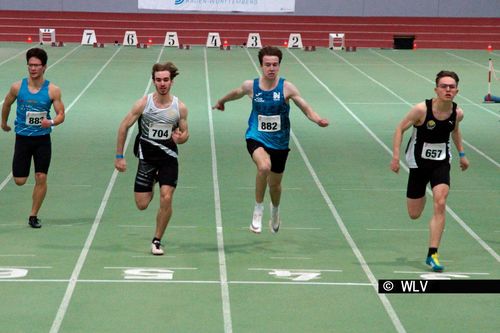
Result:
pixel 156 240
pixel 432 250
pixel 275 210
pixel 32 217
pixel 259 207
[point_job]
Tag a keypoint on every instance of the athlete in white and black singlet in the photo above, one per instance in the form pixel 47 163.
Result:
pixel 162 125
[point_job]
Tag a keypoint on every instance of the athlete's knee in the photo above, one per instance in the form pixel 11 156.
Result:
pixel 40 178
pixel 264 169
pixel 20 181
pixel 415 207
pixel 141 205
pixel 142 200
pixel 414 214
pixel 166 199
pixel 440 204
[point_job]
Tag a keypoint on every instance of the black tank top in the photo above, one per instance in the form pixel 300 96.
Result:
pixel 429 145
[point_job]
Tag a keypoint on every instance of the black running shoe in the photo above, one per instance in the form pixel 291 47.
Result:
pixel 34 222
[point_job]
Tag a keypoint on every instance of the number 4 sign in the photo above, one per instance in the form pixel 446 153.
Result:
pixel 213 40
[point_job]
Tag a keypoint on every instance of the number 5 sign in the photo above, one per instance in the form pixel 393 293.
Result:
pixel 171 39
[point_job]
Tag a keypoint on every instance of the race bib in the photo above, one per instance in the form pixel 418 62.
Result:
pixel 434 151
pixel 269 123
pixel 35 118
pixel 158 131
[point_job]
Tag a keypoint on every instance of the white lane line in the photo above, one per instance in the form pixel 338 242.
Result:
pixel 296 269
pixel 289 283
pixel 371 277
pixel 226 305
pixel 63 307
pixel 395 229
pixel 290 258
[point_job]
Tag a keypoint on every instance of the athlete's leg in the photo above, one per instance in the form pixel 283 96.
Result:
pixel 142 199
pixel 263 162
pixel 39 192
pixel 144 183
pixel 437 222
pixel 165 210
pixel 20 180
pixel 274 181
pixel 415 207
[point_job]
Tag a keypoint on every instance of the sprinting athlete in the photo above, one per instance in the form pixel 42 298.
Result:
pixel 268 132
pixel 162 125
pixel 428 155
pixel 33 124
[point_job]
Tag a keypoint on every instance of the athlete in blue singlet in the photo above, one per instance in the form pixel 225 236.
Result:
pixel 428 155
pixel 33 124
pixel 268 132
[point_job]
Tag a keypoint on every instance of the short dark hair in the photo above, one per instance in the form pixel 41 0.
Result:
pixel 168 66
pixel 270 51
pixel 37 53
pixel 442 74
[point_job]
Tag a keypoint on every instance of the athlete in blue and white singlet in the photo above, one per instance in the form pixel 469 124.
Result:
pixel 269 121
pixel 268 132
pixel 33 124
pixel 32 108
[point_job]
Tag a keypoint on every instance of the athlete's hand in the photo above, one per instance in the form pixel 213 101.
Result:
pixel 176 134
pixel 464 163
pixel 219 106
pixel 6 127
pixel 46 123
pixel 121 164
pixel 395 165
pixel 323 123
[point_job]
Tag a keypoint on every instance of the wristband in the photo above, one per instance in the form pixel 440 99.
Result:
pixel 52 122
pixel 461 154
pixel 119 156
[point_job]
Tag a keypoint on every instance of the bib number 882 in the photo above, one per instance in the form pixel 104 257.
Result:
pixel 268 127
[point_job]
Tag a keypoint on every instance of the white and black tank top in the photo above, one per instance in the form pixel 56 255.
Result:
pixel 156 126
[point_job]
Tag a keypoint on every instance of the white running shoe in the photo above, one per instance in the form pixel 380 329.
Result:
pixel 275 221
pixel 256 225
pixel 156 248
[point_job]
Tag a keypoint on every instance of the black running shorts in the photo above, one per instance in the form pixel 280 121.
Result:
pixel 27 147
pixel 165 172
pixel 278 157
pixel 420 177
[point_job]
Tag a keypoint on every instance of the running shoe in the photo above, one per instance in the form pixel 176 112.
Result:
pixel 156 248
pixel 256 225
pixel 274 222
pixel 34 222
pixel 433 262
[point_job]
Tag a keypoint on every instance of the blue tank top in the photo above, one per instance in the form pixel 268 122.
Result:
pixel 269 121
pixel 31 109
